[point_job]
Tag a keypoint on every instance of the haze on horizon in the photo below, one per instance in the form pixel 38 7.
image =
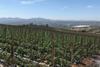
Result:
pixel 51 9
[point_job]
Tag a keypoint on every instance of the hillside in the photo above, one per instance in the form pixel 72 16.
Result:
pixel 42 21
pixel 25 45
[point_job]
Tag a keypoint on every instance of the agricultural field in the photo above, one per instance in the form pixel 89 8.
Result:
pixel 24 45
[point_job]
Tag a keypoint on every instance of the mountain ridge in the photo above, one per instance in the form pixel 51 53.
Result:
pixel 43 21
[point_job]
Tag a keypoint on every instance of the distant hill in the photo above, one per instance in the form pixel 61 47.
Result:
pixel 42 21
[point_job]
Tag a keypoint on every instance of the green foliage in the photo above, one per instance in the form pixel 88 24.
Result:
pixel 38 44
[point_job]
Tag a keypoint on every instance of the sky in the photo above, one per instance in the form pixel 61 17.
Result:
pixel 51 9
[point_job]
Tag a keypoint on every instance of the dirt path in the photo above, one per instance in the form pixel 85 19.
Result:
pixel 97 60
pixel 97 63
pixel 1 65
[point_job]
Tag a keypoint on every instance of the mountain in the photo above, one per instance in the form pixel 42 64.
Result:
pixel 42 21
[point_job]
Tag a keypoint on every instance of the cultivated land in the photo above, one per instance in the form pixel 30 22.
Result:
pixel 26 45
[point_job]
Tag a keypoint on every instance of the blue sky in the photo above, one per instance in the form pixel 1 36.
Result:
pixel 52 9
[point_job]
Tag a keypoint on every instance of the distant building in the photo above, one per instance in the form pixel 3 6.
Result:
pixel 81 28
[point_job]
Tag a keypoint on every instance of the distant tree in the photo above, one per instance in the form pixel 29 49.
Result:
pixel 31 24
pixel 47 25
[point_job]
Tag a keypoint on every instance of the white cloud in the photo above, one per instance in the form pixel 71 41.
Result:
pixel 30 1
pixel 26 2
pixel 89 6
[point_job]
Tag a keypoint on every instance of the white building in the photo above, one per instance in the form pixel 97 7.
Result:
pixel 81 28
